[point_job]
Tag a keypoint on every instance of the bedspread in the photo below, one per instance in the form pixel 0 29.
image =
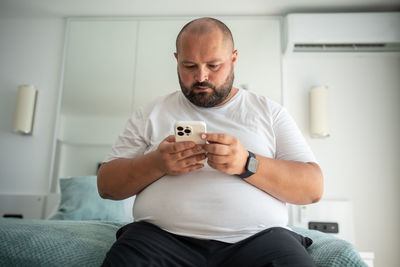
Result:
pixel 85 243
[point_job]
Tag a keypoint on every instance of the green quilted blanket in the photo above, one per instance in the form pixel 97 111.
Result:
pixel 329 251
pixel 85 243
pixel 55 243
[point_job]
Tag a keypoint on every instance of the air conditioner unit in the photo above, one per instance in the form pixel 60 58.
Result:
pixel 342 32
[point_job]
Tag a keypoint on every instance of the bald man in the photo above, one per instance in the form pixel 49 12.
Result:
pixel 230 211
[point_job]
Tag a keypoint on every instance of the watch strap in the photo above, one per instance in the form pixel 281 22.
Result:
pixel 248 172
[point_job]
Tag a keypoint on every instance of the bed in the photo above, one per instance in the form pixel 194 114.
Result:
pixel 84 226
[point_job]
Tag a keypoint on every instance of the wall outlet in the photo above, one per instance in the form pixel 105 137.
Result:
pixel 326 227
pixel 18 216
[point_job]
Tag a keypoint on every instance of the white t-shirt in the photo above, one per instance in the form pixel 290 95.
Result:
pixel 206 203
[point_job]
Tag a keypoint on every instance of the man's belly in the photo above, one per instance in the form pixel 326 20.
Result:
pixel 207 204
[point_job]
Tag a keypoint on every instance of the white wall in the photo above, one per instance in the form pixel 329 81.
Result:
pixel 83 142
pixel 360 160
pixel 30 52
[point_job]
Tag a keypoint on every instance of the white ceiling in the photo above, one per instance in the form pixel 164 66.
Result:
pixel 67 8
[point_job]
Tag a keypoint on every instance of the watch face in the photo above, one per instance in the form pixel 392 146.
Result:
pixel 253 163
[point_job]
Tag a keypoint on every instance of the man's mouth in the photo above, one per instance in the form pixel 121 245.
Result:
pixel 201 88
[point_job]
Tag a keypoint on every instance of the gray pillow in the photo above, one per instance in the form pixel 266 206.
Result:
pixel 80 200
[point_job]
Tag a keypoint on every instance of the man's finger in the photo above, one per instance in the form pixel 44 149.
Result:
pixel 188 169
pixel 217 149
pixel 177 147
pixel 186 153
pixel 191 160
pixel 217 138
pixel 218 159
pixel 221 167
pixel 170 138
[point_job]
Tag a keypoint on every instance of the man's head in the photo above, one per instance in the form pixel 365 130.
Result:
pixel 206 60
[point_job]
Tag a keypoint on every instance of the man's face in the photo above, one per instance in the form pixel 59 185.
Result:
pixel 205 68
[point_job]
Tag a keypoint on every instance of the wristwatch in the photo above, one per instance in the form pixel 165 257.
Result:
pixel 251 166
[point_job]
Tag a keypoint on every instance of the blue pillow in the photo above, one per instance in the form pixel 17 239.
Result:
pixel 80 200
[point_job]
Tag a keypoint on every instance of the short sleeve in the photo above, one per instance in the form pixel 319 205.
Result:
pixel 131 142
pixel 290 143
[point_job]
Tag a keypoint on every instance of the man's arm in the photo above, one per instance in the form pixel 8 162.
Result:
pixel 289 181
pixel 122 178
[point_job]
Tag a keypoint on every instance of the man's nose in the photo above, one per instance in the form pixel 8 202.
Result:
pixel 201 74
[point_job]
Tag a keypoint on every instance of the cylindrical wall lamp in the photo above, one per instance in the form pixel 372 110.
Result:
pixel 319 109
pixel 25 112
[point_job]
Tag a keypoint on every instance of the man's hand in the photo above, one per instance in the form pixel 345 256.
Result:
pixel 225 153
pixel 179 157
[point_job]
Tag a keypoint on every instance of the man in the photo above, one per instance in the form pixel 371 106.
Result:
pixel 230 211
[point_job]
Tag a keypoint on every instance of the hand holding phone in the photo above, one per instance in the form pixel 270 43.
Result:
pixel 190 131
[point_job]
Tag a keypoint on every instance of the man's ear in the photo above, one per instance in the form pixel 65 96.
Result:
pixel 234 57
pixel 176 55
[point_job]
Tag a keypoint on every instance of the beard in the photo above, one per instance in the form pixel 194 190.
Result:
pixel 206 99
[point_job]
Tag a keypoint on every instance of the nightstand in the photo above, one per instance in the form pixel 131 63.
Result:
pixel 21 206
pixel 368 258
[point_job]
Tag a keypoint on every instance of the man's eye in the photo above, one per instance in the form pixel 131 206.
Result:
pixel 213 66
pixel 189 66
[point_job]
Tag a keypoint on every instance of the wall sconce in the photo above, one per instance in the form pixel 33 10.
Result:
pixel 25 112
pixel 319 109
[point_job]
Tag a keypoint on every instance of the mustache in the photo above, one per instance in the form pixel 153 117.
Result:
pixel 203 84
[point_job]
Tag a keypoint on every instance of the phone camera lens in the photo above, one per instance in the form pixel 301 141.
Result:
pixel 179 128
pixel 187 131
pixel 180 133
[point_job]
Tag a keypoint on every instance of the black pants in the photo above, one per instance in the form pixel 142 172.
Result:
pixel 144 244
